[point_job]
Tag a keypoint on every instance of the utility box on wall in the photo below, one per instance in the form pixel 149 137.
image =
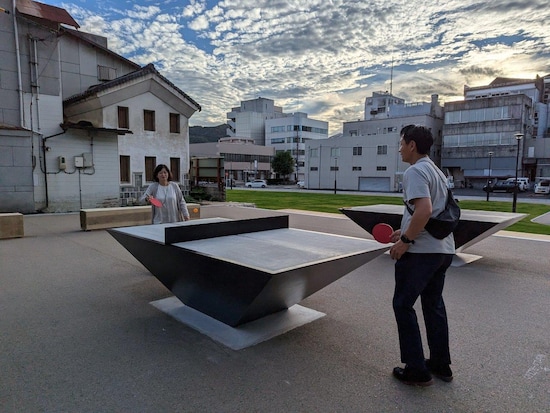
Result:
pixel 62 163
pixel 78 162
pixel 88 160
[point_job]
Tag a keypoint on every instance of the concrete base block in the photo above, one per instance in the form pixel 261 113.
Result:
pixel 245 335
pixel 11 225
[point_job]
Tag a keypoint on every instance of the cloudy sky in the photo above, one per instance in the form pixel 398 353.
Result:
pixel 323 57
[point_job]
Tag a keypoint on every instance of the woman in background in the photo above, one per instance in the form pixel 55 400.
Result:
pixel 173 207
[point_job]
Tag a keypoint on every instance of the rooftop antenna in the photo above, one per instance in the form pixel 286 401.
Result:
pixel 391 78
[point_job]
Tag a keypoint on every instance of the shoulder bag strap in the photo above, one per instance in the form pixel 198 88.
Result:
pixel 439 173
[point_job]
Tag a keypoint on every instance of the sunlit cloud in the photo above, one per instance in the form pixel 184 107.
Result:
pixel 323 57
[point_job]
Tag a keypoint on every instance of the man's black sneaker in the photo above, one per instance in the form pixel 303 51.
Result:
pixel 441 371
pixel 413 377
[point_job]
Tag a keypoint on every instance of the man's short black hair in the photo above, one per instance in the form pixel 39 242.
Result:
pixel 421 135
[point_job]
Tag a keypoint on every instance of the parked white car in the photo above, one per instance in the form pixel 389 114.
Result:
pixel 543 187
pixel 256 183
pixel 523 183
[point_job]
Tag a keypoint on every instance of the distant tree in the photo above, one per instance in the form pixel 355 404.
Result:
pixel 283 164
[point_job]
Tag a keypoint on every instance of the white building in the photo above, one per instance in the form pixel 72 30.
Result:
pixel 248 120
pixel 291 133
pixel 63 98
pixel 155 113
pixel 267 125
pixel 366 156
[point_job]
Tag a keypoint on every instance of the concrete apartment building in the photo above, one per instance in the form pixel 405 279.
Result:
pixel 267 125
pixel 366 156
pixel 248 120
pixel 290 134
pixel 479 135
pixel 69 105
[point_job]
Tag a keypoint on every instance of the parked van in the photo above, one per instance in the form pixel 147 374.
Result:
pixel 523 183
pixel 543 187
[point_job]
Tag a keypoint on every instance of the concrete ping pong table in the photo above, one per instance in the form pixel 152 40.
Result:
pixel 473 226
pixel 239 281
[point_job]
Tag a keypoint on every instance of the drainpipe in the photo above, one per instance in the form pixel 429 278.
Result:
pixel 35 86
pixel 18 57
pixel 44 150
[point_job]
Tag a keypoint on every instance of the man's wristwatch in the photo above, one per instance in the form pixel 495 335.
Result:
pixel 406 240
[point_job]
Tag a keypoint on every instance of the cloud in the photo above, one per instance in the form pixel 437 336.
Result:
pixel 326 56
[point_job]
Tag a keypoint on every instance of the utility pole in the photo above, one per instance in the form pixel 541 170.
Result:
pixel 335 171
pixel 489 177
pixel 518 137
pixel 297 152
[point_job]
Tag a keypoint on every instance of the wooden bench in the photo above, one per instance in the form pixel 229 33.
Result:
pixel 102 218
pixel 11 225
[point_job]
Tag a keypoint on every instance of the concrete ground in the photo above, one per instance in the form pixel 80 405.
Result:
pixel 78 335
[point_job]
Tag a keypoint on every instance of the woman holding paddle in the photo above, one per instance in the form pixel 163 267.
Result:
pixel 166 197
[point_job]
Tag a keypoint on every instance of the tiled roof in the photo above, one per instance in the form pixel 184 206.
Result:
pixel 148 69
pixel 46 12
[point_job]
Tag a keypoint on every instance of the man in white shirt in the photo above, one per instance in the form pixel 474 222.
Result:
pixel 421 263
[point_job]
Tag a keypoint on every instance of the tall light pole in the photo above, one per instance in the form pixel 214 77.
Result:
pixel 489 177
pixel 297 153
pixel 518 137
pixel 335 170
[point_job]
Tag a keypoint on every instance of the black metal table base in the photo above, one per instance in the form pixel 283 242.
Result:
pixel 237 271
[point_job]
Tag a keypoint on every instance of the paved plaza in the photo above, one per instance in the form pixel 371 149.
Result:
pixel 78 334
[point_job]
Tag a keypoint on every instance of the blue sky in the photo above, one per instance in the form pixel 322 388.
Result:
pixel 323 57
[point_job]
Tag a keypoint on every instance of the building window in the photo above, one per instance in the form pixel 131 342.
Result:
pixel 314 168
pixel 382 150
pixel 334 152
pixel 356 168
pixel 174 122
pixel 123 117
pixel 149 120
pixel 106 73
pixel 124 168
pixel 358 150
pixel 353 132
pixel 381 168
pixel 334 168
pixel 150 164
pixel 175 168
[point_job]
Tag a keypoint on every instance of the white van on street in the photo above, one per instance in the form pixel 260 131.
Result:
pixel 542 187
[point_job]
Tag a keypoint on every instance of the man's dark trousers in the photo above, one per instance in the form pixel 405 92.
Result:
pixel 421 275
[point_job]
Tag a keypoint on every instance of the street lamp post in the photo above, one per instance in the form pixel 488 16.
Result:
pixel 489 177
pixel 335 170
pixel 518 137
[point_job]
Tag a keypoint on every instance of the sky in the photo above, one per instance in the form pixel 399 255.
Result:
pixel 322 57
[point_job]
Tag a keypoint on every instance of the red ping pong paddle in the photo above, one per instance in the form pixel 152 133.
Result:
pixel 155 202
pixel 382 233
